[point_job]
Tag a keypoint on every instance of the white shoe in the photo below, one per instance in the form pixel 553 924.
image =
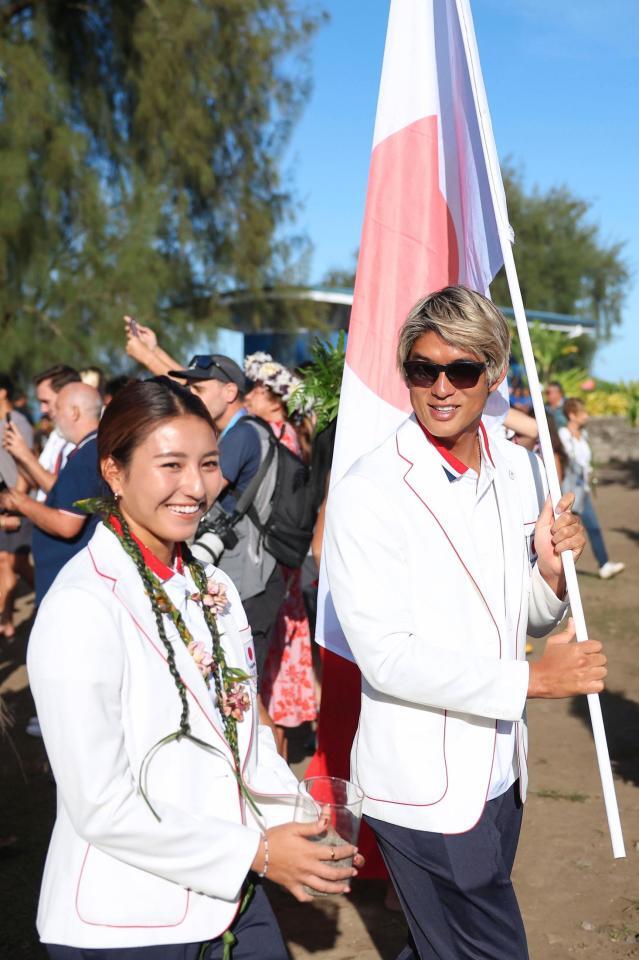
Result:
pixel 33 728
pixel 611 569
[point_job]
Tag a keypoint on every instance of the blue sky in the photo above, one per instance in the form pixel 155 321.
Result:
pixel 563 86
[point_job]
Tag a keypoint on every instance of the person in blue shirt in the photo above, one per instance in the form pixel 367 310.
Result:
pixel 60 528
pixel 220 384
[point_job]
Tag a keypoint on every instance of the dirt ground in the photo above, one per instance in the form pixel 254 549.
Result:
pixel 577 901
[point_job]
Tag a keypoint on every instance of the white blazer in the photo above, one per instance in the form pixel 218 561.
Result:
pixel 114 875
pixel 408 591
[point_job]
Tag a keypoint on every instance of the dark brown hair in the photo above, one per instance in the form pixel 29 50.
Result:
pixel 59 375
pixel 137 409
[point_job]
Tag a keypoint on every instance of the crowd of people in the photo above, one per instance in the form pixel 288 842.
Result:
pixel 46 472
pixel 182 515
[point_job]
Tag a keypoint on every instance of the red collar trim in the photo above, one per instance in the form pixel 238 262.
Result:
pixel 154 564
pixel 449 457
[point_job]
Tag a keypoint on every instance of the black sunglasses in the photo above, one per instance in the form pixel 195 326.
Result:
pixel 461 373
pixel 204 362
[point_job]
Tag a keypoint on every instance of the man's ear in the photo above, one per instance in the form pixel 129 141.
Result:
pixel 500 379
pixel 231 392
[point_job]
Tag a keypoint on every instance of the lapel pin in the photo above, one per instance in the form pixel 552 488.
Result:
pixel 511 475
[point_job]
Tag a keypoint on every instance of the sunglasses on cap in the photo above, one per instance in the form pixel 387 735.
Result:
pixel 460 373
pixel 204 362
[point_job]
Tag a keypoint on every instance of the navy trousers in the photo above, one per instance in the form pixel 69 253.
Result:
pixel 257 931
pixel 455 889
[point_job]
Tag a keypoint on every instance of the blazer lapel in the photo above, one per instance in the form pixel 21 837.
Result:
pixel 113 564
pixel 512 525
pixel 426 478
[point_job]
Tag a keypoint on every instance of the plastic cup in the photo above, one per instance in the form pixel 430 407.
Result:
pixel 340 803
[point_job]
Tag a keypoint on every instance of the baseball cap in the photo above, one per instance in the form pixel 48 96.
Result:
pixel 212 366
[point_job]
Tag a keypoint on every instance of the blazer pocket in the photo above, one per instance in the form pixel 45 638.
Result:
pixel 111 893
pixel 401 757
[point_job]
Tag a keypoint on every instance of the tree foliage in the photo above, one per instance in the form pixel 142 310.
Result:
pixel 139 147
pixel 322 381
pixel 563 264
pixel 555 353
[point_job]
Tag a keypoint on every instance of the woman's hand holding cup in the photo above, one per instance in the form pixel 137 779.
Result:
pixel 297 860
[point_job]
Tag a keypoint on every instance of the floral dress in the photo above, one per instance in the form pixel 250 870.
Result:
pixel 287 687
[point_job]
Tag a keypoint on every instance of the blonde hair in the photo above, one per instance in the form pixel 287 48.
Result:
pixel 463 318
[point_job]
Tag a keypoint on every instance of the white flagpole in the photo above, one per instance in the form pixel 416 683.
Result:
pixel 505 234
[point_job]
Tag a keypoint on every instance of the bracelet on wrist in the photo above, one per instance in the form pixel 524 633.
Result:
pixel 262 873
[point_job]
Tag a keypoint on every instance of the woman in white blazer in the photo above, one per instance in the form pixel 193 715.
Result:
pixel 171 798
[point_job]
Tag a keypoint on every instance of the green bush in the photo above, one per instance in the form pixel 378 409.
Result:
pixel 599 403
pixel 608 399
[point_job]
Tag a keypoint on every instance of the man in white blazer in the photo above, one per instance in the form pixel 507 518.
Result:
pixel 441 555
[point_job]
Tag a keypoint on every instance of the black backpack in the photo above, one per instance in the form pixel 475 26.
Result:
pixel 288 530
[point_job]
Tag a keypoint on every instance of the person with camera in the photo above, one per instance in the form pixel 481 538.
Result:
pixel 236 548
pixel 288 681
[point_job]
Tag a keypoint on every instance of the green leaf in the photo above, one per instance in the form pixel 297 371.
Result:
pixel 99 505
pixel 322 382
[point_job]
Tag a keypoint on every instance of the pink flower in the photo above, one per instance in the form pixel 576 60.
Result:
pixel 203 659
pixel 235 702
pixel 215 596
pixel 588 384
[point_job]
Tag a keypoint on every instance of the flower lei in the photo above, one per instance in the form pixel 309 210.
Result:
pixel 232 696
